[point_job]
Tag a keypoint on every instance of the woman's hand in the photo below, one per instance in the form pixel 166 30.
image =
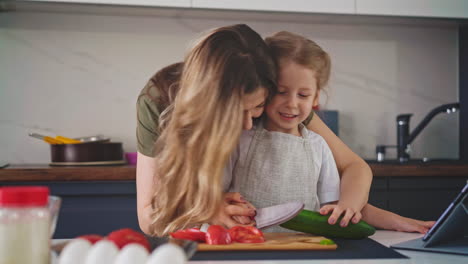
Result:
pixel 404 224
pixel 383 219
pixel 337 210
pixel 234 211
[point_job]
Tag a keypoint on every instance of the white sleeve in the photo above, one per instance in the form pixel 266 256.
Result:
pixel 328 188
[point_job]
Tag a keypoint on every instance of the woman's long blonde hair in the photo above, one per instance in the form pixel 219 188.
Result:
pixel 290 47
pixel 205 124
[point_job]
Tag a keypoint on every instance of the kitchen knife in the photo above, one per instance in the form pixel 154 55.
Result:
pixel 277 214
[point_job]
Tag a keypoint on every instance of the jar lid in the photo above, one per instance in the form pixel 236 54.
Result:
pixel 24 196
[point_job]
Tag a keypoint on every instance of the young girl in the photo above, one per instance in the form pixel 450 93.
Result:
pixel 280 160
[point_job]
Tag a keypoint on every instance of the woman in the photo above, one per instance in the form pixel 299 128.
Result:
pixel 225 77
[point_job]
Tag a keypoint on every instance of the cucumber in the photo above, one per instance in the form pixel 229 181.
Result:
pixel 314 223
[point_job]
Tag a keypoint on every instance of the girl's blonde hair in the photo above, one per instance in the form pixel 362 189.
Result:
pixel 289 47
pixel 205 125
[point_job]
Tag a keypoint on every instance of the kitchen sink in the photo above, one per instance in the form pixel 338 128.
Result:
pixel 419 162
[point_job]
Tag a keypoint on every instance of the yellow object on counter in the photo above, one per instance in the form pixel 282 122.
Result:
pixel 56 140
pixel 66 140
pixel 52 140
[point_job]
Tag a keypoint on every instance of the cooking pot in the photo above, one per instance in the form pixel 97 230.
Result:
pixel 103 153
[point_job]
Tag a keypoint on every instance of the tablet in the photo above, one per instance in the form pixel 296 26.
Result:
pixel 449 234
pixel 443 218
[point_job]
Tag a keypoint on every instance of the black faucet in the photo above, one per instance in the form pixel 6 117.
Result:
pixel 404 138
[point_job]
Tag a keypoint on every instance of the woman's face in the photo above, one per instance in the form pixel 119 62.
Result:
pixel 253 106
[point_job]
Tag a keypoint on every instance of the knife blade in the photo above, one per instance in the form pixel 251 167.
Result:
pixel 277 214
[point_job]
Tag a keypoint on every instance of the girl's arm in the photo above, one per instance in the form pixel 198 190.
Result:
pixel 356 175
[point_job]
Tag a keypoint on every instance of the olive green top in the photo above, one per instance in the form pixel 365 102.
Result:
pixel 148 119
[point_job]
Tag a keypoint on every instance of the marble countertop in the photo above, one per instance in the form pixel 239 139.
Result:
pixel 385 238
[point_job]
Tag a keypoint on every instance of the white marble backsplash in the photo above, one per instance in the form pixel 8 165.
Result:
pixel 79 75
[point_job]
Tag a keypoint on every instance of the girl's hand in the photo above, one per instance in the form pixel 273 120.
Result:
pixel 404 224
pixel 337 210
pixel 234 211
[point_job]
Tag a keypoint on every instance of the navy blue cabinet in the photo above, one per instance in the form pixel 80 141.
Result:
pixel 423 198
pixel 93 207
pixel 100 207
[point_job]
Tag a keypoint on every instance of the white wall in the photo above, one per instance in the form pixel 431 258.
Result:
pixel 80 74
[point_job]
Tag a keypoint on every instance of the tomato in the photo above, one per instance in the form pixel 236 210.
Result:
pixel 246 234
pixel 125 236
pixel 193 234
pixel 217 235
pixel 92 238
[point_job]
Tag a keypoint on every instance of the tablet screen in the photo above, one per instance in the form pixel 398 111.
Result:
pixel 446 213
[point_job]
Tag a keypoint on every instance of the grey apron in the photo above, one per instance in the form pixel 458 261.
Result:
pixel 278 168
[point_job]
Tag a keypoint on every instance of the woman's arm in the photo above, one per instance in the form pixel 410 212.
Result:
pixel 233 204
pixel 145 182
pixel 356 175
pixel 387 220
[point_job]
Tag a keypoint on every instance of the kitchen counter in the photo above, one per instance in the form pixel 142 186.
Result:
pixel 43 172
pixel 386 238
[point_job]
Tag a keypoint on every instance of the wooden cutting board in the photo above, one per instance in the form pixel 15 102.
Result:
pixel 276 241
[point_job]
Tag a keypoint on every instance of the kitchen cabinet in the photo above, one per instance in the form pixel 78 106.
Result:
pixel 414 8
pixel 378 195
pixel 92 207
pixel 100 199
pixel 103 206
pixel 304 6
pixel 423 198
pixel 155 3
pixel 453 9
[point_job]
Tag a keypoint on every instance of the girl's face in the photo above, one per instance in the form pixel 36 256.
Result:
pixel 297 94
pixel 253 106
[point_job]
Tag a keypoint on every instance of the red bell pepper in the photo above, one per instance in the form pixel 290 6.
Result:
pixel 193 234
pixel 217 235
pixel 246 234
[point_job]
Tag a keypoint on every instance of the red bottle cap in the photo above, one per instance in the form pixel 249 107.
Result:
pixel 24 196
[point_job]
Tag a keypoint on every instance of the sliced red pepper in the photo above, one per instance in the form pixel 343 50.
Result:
pixel 246 234
pixel 217 235
pixel 193 234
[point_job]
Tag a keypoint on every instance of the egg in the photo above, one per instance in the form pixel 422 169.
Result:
pixel 53 257
pixel 74 252
pixel 103 252
pixel 167 254
pixel 132 253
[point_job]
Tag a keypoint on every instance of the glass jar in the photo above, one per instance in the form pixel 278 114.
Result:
pixel 24 225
